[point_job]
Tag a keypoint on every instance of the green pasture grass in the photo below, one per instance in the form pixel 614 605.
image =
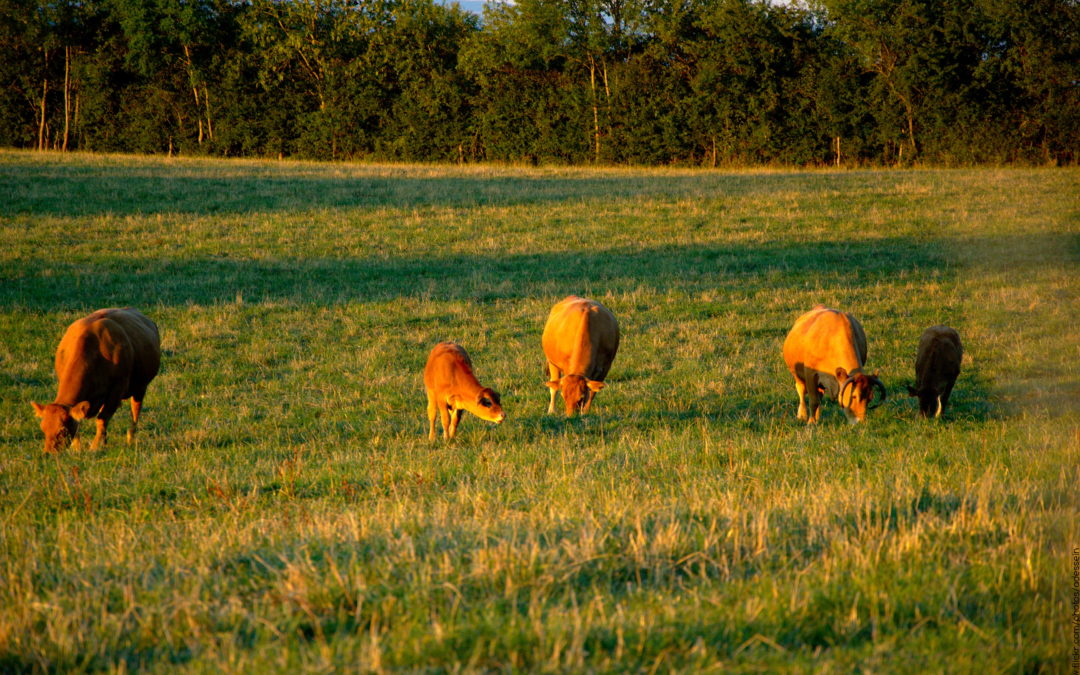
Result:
pixel 283 510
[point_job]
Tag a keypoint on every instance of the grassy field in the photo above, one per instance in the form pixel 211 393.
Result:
pixel 284 511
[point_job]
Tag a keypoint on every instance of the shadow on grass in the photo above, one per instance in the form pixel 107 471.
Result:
pixel 134 659
pixel 147 281
pixel 77 190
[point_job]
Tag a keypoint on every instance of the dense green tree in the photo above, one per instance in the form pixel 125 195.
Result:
pixel 568 81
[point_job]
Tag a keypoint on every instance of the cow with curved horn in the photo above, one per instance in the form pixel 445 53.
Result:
pixel 825 352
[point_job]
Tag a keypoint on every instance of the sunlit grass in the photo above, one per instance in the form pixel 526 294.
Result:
pixel 284 509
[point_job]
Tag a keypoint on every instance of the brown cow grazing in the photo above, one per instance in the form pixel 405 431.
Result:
pixel 937 366
pixel 102 359
pixel 580 340
pixel 452 388
pixel 826 350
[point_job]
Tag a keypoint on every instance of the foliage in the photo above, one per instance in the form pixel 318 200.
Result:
pixel 589 81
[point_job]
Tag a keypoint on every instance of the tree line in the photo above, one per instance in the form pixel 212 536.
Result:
pixel 694 82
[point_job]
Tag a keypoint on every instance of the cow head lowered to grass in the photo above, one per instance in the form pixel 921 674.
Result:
pixel 452 388
pixel 825 352
pixel 580 340
pixel 937 365
pixel 103 358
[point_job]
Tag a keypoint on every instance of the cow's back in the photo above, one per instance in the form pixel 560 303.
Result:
pixel 581 337
pixel 448 367
pixel 107 346
pixel 145 344
pixel 824 339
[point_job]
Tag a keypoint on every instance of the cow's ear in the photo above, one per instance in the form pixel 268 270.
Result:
pixel 595 385
pixel 39 409
pixel 79 411
pixel 553 385
pixel 841 374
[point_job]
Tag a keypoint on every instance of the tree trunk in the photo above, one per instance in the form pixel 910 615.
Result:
pixel 209 122
pixel 595 110
pixel 911 128
pixel 67 96
pixel 607 97
pixel 194 89
pixel 198 115
pixel 75 123
pixel 44 94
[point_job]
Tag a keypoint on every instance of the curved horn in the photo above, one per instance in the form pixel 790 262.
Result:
pixel 877 384
pixel 847 383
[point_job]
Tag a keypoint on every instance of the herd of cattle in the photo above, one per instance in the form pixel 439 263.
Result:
pixel 113 354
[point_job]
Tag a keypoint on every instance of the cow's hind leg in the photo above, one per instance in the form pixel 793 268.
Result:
pixel 136 408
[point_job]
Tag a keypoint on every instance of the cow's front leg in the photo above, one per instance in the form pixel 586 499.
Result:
pixel 455 419
pixel 106 413
pixel 444 418
pixel 100 436
pixel 800 387
pixel 815 406
pixel 432 411
pixel 554 375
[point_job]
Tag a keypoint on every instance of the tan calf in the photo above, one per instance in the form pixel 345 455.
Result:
pixel 102 359
pixel 453 388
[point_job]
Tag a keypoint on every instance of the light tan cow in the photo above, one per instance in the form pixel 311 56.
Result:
pixel 826 349
pixel 453 388
pixel 937 365
pixel 102 359
pixel 580 340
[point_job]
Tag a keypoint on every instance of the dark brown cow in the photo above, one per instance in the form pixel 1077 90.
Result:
pixel 937 366
pixel 827 350
pixel 453 388
pixel 102 359
pixel 580 340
